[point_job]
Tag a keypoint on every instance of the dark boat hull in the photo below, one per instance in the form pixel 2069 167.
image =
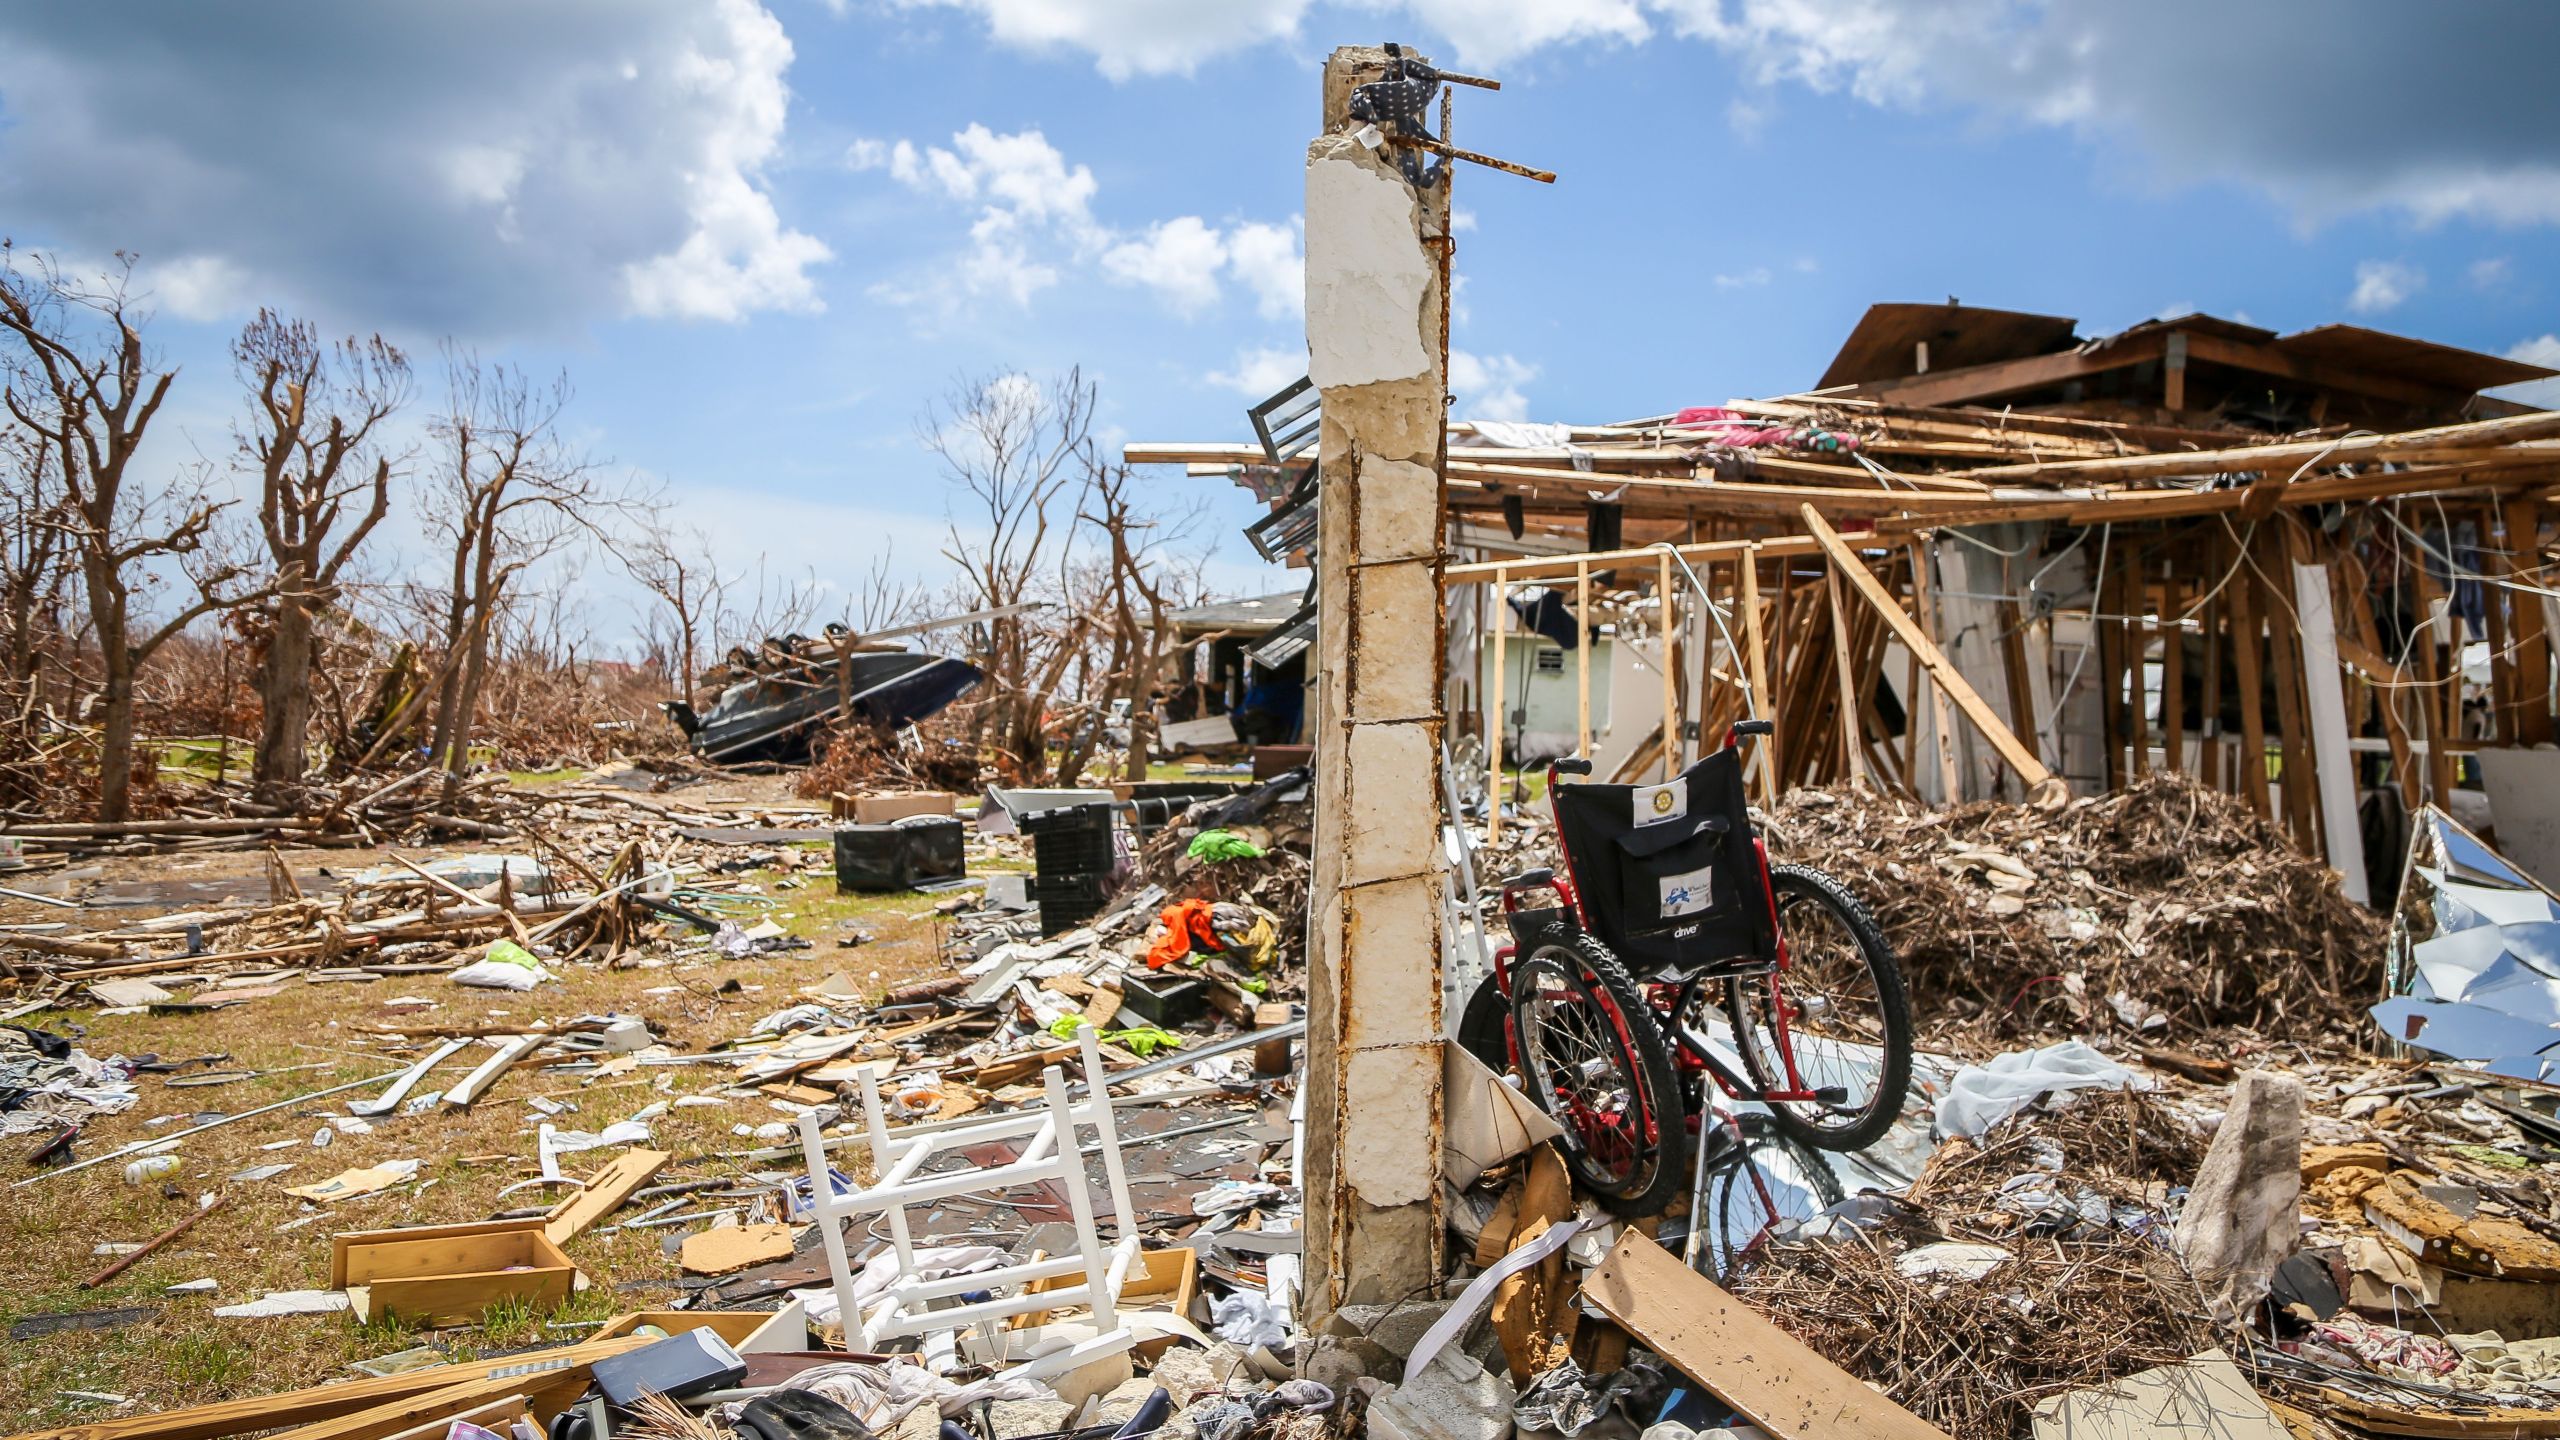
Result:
pixel 776 718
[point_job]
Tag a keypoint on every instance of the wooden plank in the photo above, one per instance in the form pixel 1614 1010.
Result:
pixel 2248 656
pixel 1558 567
pixel 2285 455
pixel 1756 663
pixel 520 1371
pixel 603 1194
pixel 2137 642
pixel 2210 750
pixel 1853 766
pixel 2520 522
pixel 2040 784
pixel 1529 1308
pixel 1942 719
pixel 2007 377
pixel 2442 700
pixel 1776 1381
pixel 2173 673
pixel 2297 766
pixel 2107 602
pixel 2341 836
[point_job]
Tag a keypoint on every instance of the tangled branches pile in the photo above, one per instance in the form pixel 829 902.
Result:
pixel 2080 1300
pixel 2164 901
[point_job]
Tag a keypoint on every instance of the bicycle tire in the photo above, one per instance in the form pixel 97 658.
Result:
pixel 1726 1187
pixel 1641 1056
pixel 1746 1006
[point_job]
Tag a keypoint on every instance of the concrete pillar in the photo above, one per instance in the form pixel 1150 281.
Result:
pixel 1372 1181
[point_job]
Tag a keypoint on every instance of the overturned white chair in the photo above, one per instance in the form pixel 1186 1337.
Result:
pixel 1052 1150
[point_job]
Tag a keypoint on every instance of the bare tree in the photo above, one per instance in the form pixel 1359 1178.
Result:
pixel 32 568
pixel 1142 591
pixel 507 492
pixel 88 390
pixel 1013 449
pixel 678 568
pixel 312 445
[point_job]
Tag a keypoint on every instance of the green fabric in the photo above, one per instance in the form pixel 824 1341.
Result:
pixel 1216 845
pixel 1139 1040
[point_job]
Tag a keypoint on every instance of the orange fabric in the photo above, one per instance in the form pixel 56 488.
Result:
pixel 1186 924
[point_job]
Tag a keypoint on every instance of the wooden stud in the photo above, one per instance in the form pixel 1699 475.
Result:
pixel 2173 674
pixel 2137 644
pixel 2248 655
pixel 1756 664
pixel 2299 772
pixel 2521 522
pixel 1853 765
pixel 1941 715
pixel 2443 695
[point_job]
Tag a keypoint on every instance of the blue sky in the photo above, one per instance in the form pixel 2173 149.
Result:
pixel 762 237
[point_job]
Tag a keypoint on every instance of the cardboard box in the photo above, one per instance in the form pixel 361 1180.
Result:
pixel 899 804
pixel 450 1274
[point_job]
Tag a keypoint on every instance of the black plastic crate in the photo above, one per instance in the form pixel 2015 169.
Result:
pixel 1068 901
pixel 1073 840
pixel 901 855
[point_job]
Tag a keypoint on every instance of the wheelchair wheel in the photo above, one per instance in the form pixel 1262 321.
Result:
pixel 1484 1027
pixel 1594 1059
pixel 1847 1020
pixel 1766 1180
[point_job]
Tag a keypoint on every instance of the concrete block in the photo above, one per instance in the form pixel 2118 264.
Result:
pixel 1390 932
pixel 1393 669
pixel 1393 1157
pixel 1456 1399
pixel 1390 806
pixel 1399 514
pixel 2241 1216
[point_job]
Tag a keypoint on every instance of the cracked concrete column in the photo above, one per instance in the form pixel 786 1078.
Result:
pixel 1372 1181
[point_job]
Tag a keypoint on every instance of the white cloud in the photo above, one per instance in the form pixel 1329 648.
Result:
pixel 1487 387
pixel 1262 371
pixel 1178 259
pixel 2383 284
pixel 2542 350
pixel 1035 224
pixel 481 170
pixel 1132 37
pixel 1751 279
pixel 201 288
pixel 1268 259
pixel 2492 273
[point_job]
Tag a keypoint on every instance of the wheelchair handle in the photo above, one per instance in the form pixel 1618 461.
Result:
pixel 1570 765
pixel 1741 728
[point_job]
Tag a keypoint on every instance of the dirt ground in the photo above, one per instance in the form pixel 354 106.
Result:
pixel 265 1240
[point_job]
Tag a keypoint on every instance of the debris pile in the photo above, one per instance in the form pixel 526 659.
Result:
pixel 2165 909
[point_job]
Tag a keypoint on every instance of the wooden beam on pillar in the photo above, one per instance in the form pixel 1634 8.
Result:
pixel 1756 665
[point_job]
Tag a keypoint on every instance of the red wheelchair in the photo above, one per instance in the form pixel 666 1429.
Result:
pixel 1673 955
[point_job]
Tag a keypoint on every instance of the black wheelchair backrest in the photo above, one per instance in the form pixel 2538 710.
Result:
pixel 1667 873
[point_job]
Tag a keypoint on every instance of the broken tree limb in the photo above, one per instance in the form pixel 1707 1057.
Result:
pixel 128 1261
pixel 2043 788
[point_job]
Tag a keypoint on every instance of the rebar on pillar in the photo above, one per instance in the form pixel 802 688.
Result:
pixel 1373 1101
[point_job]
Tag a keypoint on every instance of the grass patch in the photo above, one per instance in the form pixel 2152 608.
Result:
pixel 534 779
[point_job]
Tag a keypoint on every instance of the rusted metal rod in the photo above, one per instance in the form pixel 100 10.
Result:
pixel 1423 142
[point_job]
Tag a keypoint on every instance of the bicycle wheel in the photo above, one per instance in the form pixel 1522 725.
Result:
pixel 1846 1019
pixel 1595 1060
pixel 1768 1180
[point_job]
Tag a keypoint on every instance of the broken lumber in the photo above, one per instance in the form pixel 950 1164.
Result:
pixel 604 1194
pixel 2043 788
pixel 1776 1381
